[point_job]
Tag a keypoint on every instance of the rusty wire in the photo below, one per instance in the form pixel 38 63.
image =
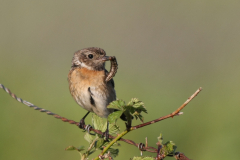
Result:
pixel 149 149
pixel 143 148
pixel 36 107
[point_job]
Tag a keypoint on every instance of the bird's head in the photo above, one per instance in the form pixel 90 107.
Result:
pixel 92 58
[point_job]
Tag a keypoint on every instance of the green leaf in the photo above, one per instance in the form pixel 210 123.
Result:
pixel 71 148
pixel 118 104
pixel 88 138
pixel 114 152
pixel 114 116
pixel 81 148
pixel 139 105
pixel 131 109
pixel 160 139
pixel 169 148
pixel 113 129
pixel 103 129
pixel 141 118
pixel 143 158
pixel 99 143
pixel 97 122
pixel 136 107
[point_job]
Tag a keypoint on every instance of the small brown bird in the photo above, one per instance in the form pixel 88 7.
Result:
pixel 87 82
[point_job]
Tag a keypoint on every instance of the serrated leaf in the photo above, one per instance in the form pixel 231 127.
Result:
pixel 104 127
pixel 135 101
pixel 139 105
pixel 169 148
pixel 131 109
pixel 97 122
pixel 88 138
pixel 113 152
pixel 113 129
pixel 141 118
pixel 136 112
pixel 99 143
pixel 141 109
pixel 143 158
pixel 114 116
pixel 118 104
pixel 135 107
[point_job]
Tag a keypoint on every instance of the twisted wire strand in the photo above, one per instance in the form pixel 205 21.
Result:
pixel 149 149
pixel 36 107
pixel 143 148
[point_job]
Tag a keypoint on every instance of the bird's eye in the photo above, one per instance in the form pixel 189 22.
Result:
pixel 90 56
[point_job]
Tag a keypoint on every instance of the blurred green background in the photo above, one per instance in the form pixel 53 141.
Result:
pixel 165 51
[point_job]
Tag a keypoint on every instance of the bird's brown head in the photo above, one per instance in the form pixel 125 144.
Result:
pixel 91 58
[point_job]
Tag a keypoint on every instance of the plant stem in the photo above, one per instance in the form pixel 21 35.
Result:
pixel 111 143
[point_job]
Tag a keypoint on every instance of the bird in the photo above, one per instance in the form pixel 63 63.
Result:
pixel 88 85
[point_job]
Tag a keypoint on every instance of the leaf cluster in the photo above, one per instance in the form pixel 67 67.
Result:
pixel 96 141
pixel 134 108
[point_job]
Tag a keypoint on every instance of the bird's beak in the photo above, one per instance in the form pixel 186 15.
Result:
pixel 106 58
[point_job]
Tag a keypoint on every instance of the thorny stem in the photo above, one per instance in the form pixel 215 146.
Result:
pixel 111 143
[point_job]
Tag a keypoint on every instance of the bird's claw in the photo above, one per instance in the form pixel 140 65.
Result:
pixel 81 124
pixel 106 135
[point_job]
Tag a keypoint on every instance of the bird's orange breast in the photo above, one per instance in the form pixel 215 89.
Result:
pixel 81 78
pixel 86 76
pixel 85 84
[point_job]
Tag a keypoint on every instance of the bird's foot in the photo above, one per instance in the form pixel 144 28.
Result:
pixel 106 135
pixel 81 124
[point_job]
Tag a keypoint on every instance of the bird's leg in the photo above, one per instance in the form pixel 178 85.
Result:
pixel 82 123
pixel 106 133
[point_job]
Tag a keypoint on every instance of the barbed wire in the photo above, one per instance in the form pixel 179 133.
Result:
pixel 143 148
pixel 36 107
pixel 149 149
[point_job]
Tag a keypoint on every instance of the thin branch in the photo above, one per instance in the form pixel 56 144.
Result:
pixel 111 143
pixel 175 113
